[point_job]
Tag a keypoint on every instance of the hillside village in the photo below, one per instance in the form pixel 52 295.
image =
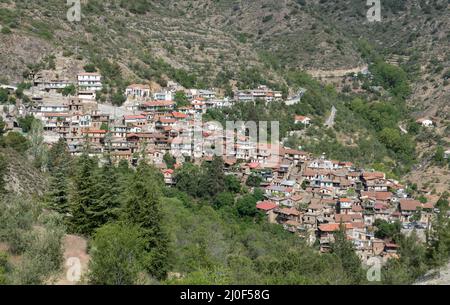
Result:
pixel 310 196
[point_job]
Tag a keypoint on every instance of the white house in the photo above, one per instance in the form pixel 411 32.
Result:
pixel 425 122
pixel 163 96
pixel 138 91
pixel 89 81
pixel 300 119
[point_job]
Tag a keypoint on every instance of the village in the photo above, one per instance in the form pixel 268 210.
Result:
pixel 310 196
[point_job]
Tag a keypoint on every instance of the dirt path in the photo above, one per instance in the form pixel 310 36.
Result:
pixel 330 120
pixel 337 72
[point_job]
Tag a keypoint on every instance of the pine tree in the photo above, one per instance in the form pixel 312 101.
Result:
pixel 142 207
pixel 106 204
pixel 58 198
pixel 83 195
pixel 58 155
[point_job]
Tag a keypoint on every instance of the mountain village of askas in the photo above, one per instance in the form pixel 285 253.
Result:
pixel 310 196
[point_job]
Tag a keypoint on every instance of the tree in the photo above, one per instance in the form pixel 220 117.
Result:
pixel 118 99
pixel 83 196
pixel 386 229
pixel 439 156
pixel 169 160
pixel 187 179
pixel 37 149
pixel 254 180
pixel 16 141
pixel 246 206
pixel 232 184
pixel 180 99
pixel 2 127
pixel 225 199
pixel 90 68
pixel 213 178
pixel 26 122
pixel 143 208
pixel 3 96
pixel 58 197
pixel 58 156
pixel 69 90
pixel 107 200
pixel 117 255
pixel 344 250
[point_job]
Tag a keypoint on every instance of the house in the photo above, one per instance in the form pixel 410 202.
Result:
pixel 168 177
pixel 268 207
pixel 136 120
pixel 410 207
pixel 286 214
pixel 138 91
pixel 425 122
pixel 325 234
pixel 89 81
pixel 163 96
pixel 159 106
pixel 300 119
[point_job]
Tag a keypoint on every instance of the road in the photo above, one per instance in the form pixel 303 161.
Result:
pixel 331 118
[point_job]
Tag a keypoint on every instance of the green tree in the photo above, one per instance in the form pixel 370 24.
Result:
pixel 26 122
pixel 187 179
pixel 386 229
pixel 344 250
pixel 58 197
pixel 254 180
pixel 439 156
pixel 246 206
pixel 83 196
pixel 143 208
pixel 2 127
pixel 37 148
pixel 180 99
pixel 169 160
pixel 225 199
pixel 107 200
pixel 232 184
pixel 212 181
pixel 58 156
pixel 117 255
pixel 16 141
pixel 70 90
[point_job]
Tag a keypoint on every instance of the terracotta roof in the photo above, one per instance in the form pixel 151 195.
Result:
pixel 134 117
pixel 383 196
pixel 412 205
pixel 373 175
pixel 333 227
pixel 95 131
pixel 301 118
pixel 289 211
pixel 266 205
pixel 159 103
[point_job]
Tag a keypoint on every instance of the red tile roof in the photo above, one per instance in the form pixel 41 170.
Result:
pixel 333 227
pixel 266 205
